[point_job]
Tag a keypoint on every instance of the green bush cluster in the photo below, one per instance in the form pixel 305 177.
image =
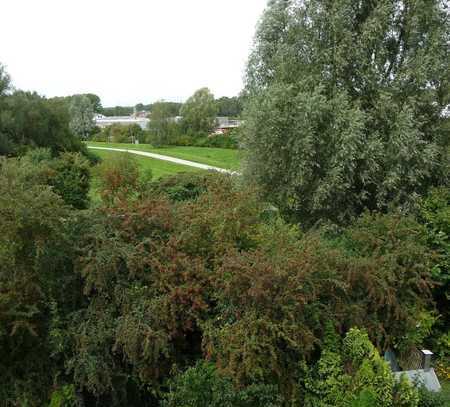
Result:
pixel 216 140
pixel 120 133
pixel 167 288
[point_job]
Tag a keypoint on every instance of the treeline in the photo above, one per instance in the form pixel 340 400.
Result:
pixel 194 128
pixel 28 120
pixel 225 106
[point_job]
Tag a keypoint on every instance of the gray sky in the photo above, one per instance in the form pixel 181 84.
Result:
pixel 128 51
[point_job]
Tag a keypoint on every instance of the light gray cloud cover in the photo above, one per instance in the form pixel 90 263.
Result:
pixel 128 51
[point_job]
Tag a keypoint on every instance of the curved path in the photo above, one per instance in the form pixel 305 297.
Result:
pixel 166 158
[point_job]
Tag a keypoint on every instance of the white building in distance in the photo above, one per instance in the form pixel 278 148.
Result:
pixel 105 121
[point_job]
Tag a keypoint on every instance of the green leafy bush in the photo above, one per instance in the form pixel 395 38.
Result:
pixel 37 236
pixel 70 178
pixel 160 277
pixel 356 375
pixel 182 186
pixel 431 399
pixel 68 174
pixel 435 215
pixel 121 178
pixel 202 386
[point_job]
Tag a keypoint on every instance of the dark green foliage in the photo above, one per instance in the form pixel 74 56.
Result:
pixel 120 179
pixel 5 81
pixel 431 399
pixel 182 187
pixel 202 386
pixel 435 214
pixel 68 174
pixel 228 140
pixel 28 120
pixel 230 107
pixel 199 113
pixel 162 277
pixel 162 126
pixel 118 111
pixel 345 105
pixel 70 177
pixel 173 109
pixel 95 102
pixel 36 252
pixel 379 280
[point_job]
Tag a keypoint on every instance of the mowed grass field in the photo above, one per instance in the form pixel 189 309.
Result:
pixel 217 157
pixel 159 168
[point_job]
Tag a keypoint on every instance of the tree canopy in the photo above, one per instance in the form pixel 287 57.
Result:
pixel 199 112
pixel 161 123
pixel 231 107
pixel 29 120
pixel 81 116
pixel 345 103
pixel 5 80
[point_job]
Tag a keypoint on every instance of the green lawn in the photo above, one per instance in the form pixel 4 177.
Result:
pixel 159 168
pixel 218 157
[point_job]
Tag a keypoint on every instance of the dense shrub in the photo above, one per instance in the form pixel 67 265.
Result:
pixel 215 140
pixel 121 178
pixel 354 374
pixel 431 399
pixel 107 306
pixel 68 174
pixel 37 283
pixel 182 186
pixel 29 121
pixel 218 140
pixel 175 282
pixel 435 215
pixel 202 386
pixel 70 177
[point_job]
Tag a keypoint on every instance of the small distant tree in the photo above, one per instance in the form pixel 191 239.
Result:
pixel 82 116
pixel 5 145
pixel 5 81
pixel 160 123
pixel 199 112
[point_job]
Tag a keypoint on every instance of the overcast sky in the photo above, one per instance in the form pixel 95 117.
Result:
pixel 128 51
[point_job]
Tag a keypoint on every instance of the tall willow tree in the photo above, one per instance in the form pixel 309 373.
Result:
pixel 345 104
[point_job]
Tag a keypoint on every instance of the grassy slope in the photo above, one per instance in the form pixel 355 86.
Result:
pixel 218 157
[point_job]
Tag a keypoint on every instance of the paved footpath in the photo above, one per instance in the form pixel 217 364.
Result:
pixel 167 158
